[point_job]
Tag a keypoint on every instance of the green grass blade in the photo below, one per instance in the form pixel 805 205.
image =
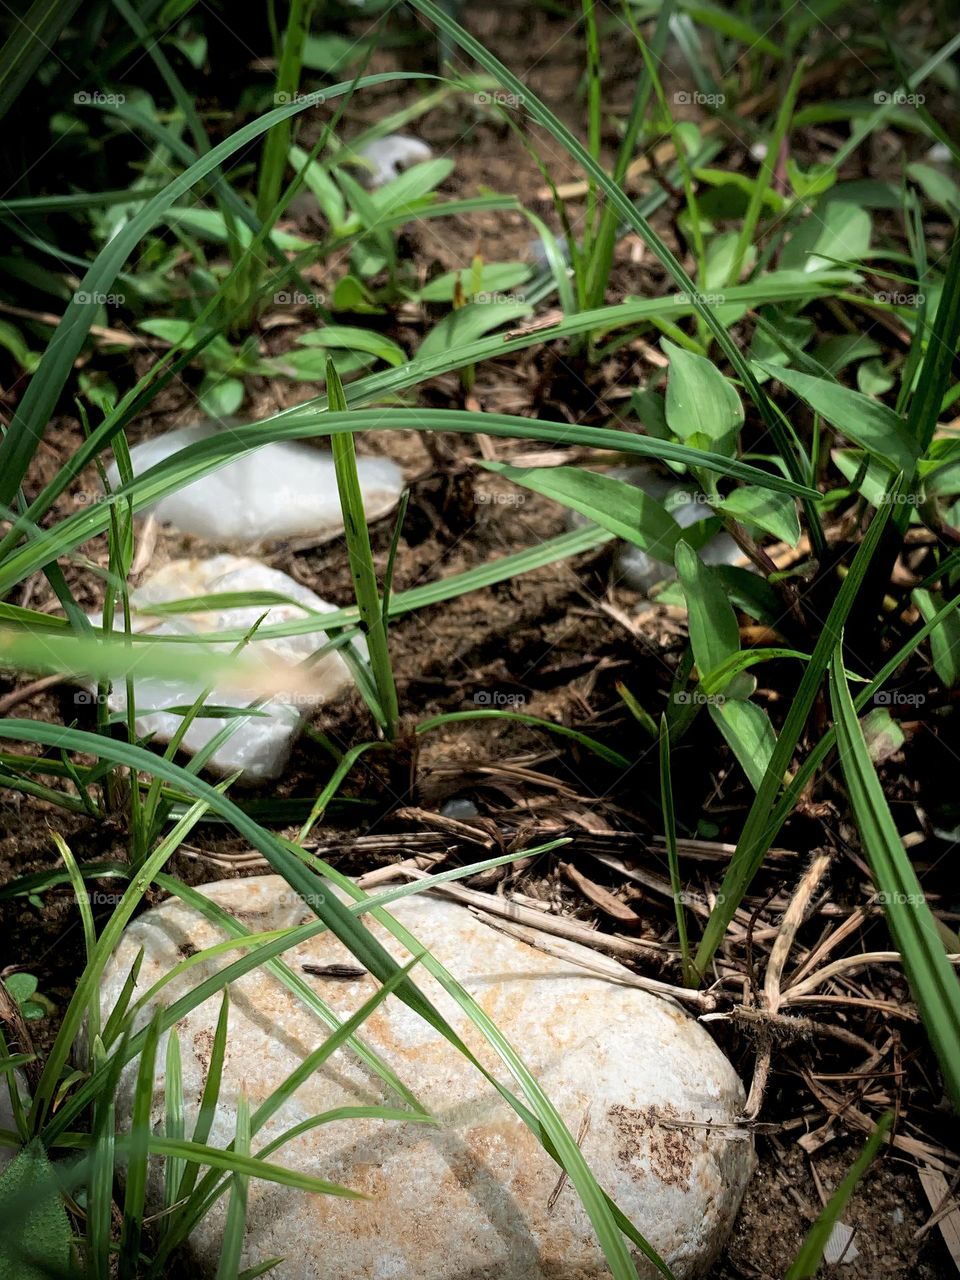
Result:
pixel 174 1126
pixel 670 839
pixel 752 845
pixel 251 1166
pixel 293 982
pixel 89 981
pixel 208 1099
pixel 32 39
pixel 372 619
pixel 141 1125
pixel 343 768
pixel 537 722
pixel 807 1262
pixel 235 1224
pixel 101 1176
pixel 39 401
pixel 625 207
pixel 932 980
pixel 765 177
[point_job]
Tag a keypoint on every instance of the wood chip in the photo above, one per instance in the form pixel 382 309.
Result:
pixel 946 1215
pixel 600 897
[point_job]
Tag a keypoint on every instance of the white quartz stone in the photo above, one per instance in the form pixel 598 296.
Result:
pixel 259 745
pixel 283 491
pixel 642 572
pixel 651 1097
pixel 387 157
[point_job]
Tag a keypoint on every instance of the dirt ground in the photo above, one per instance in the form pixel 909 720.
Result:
pixel 560 638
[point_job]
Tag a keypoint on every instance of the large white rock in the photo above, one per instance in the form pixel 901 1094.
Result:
pixel 282 491
pixel 260 744
pixel 651 1094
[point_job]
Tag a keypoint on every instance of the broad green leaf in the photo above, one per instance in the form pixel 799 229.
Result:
pixel 882 734
pixel 351 294
pixel 778 339
pixel 836 231
pixel 318 180
pixel 772 512
pixel 613 504
pixel 13 341
pixel 221 397
pixel 310 363
pixel 722 19
pixel 736 189
pixel 720 256
pixel 495 278
pixel 873 480
pixel 348 338
pixel 701 401
pixel 874 378
pixel 412 186
pixel 714 634
pixel 366 209
pixel 944 638
pixel 331 52
pixel 209 224
pixel 866 421
pixel 749 734
pixel 845 349
pixel 715 639
pixel 937 186
pixel 468 323
pixel 811 182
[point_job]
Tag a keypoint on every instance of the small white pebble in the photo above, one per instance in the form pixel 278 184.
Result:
pixel 839 1245
pixel 388 157
pixel 459 808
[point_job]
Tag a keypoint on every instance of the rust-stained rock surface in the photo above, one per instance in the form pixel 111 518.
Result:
pixel 641 1083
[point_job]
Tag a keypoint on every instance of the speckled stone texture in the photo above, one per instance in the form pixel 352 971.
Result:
pixel 472 1199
